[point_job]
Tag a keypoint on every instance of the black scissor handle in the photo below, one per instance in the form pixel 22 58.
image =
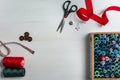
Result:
pixel 73 8
pixel 66 4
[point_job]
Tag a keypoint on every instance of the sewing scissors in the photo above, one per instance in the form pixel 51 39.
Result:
pixel 67 11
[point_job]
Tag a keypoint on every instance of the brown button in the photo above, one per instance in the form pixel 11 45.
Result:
pixel 26 37
pixel 26 34
pixel 29 39
pixel 21 38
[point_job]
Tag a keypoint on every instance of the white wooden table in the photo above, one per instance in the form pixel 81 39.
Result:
pixel 57 56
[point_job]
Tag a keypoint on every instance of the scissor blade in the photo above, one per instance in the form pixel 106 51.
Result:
pixel 60 25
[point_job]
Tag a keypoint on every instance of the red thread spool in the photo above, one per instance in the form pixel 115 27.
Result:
pixel 13 62
pixel 103 58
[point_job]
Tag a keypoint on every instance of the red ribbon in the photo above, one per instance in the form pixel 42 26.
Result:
pixel 86 14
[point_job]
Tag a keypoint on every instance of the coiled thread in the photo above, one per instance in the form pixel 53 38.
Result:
pixel 13 62
pixel 107 55
pixel 14 72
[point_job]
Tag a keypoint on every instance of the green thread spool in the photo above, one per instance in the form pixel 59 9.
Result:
pixel 97 42
pixel 117 74
pixel 98 76
pixel 97 73
pixel 96 47
pixel 112 67
pixel 116 66
pixel 107 45
pixel 103 53
pixel 96 38
pixel 13 72
pixel 100 70
pixel 98 51
pixel 104 71
pixel 111 36
pixel 115 62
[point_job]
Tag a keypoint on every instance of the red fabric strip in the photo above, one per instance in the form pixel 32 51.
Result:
pixel 89 7
pixel 86 14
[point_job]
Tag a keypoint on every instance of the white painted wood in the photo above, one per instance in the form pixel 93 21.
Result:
pixel 57 56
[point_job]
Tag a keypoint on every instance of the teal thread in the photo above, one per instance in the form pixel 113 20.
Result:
pixel 12 72
pixel 107 46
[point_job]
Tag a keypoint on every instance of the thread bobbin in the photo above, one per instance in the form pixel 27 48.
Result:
pixel 14 67
pixel 13 62
pixel 14 72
